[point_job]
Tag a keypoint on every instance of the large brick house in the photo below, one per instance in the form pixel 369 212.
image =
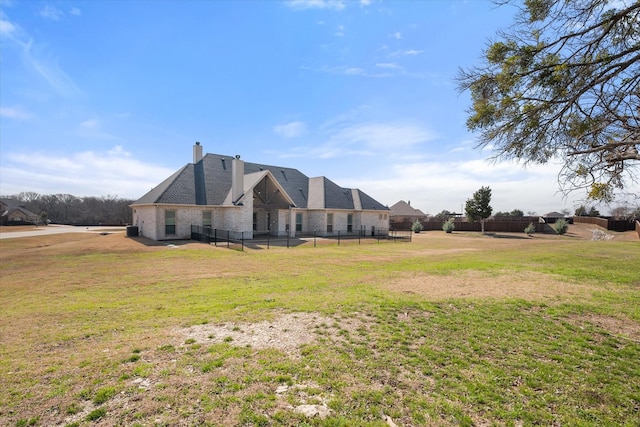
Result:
pixel 226 193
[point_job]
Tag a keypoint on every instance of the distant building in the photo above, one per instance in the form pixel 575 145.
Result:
pixel 12 212
pixel 403 215
pixel 551 217
pixel 226 193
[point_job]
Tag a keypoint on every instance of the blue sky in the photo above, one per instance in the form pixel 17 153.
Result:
pixel 108 97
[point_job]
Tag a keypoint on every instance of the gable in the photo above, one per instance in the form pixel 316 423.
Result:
pixel 209 182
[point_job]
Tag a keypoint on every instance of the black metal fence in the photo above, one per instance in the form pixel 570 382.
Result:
pixel 240 240
pixel 502 224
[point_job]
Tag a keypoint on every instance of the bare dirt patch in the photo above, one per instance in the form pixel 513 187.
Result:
pixel 474 284
pixel 286 332
pixel 619 327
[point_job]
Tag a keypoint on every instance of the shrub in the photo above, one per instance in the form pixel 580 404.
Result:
pixel 416 227
pixel 449 225
pixel 560 226
pixel 530 229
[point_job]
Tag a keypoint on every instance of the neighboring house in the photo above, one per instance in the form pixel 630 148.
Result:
pixel 11 212
pixel 551 217
pixel 403 214
pixel 227 193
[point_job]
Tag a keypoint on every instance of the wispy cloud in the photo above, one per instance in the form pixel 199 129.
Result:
pixel 7 29
pixel 407 52
pixel 86 173
pixel 316 4
pixel 291 130
pixel 356 71
pixel 54 14
pixel 17 113
pixel 397 35
pixel 51 12
pixel 37 58
pixel 435 186
pixel 368 139
pixel 93 128
pixel 388 65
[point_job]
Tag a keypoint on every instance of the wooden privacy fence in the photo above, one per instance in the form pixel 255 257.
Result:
pixel 499 225
pixel 608 223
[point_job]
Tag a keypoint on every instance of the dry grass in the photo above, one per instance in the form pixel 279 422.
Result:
pixel 446 330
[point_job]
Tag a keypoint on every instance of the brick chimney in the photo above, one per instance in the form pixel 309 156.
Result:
pixel 197 152
pixel 237 179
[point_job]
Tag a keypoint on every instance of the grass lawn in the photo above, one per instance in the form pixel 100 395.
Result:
pixel 447 330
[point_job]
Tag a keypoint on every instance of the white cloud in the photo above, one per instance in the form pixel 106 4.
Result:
pixel 397 35
pixel 291 130
pixel 389 65
pixel 17 113
pixel 7 29
pixel 51 12
pixel 353 71
pixel 87 173
pixel 90 124
pixel 434 186
pixel 75 11
pixel 365 2
pixel 37 58
pixel 408 52
pixel 366 139
pixel 94 129
pixel 316 4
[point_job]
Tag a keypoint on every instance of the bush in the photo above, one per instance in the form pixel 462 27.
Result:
pixel 449 225
pixel 416 226
pixel 530 229
pixel 560 226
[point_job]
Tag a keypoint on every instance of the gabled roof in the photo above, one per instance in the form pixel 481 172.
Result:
pixel 8 206
pixel 553 215
pixel 403 208
pixel 208 182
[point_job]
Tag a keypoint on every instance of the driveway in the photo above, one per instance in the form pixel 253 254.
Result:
pixel 59 229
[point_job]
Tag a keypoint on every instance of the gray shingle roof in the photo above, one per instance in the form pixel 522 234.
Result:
pixel 403 208
pixel 208 182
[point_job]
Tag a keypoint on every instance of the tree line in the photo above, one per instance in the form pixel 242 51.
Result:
pixel 69 209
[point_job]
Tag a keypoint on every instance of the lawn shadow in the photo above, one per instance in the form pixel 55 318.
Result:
pixel 507 236
pixel 150 242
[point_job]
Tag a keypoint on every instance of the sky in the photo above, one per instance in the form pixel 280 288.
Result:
pixel 107 98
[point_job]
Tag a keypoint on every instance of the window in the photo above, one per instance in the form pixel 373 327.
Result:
pixel 169 222
pixel 349 223
pixel 298 222
pixel 206 219
pixel 329 223
pixel 255 221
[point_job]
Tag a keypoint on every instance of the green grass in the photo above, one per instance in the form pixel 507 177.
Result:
pixel 103 320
